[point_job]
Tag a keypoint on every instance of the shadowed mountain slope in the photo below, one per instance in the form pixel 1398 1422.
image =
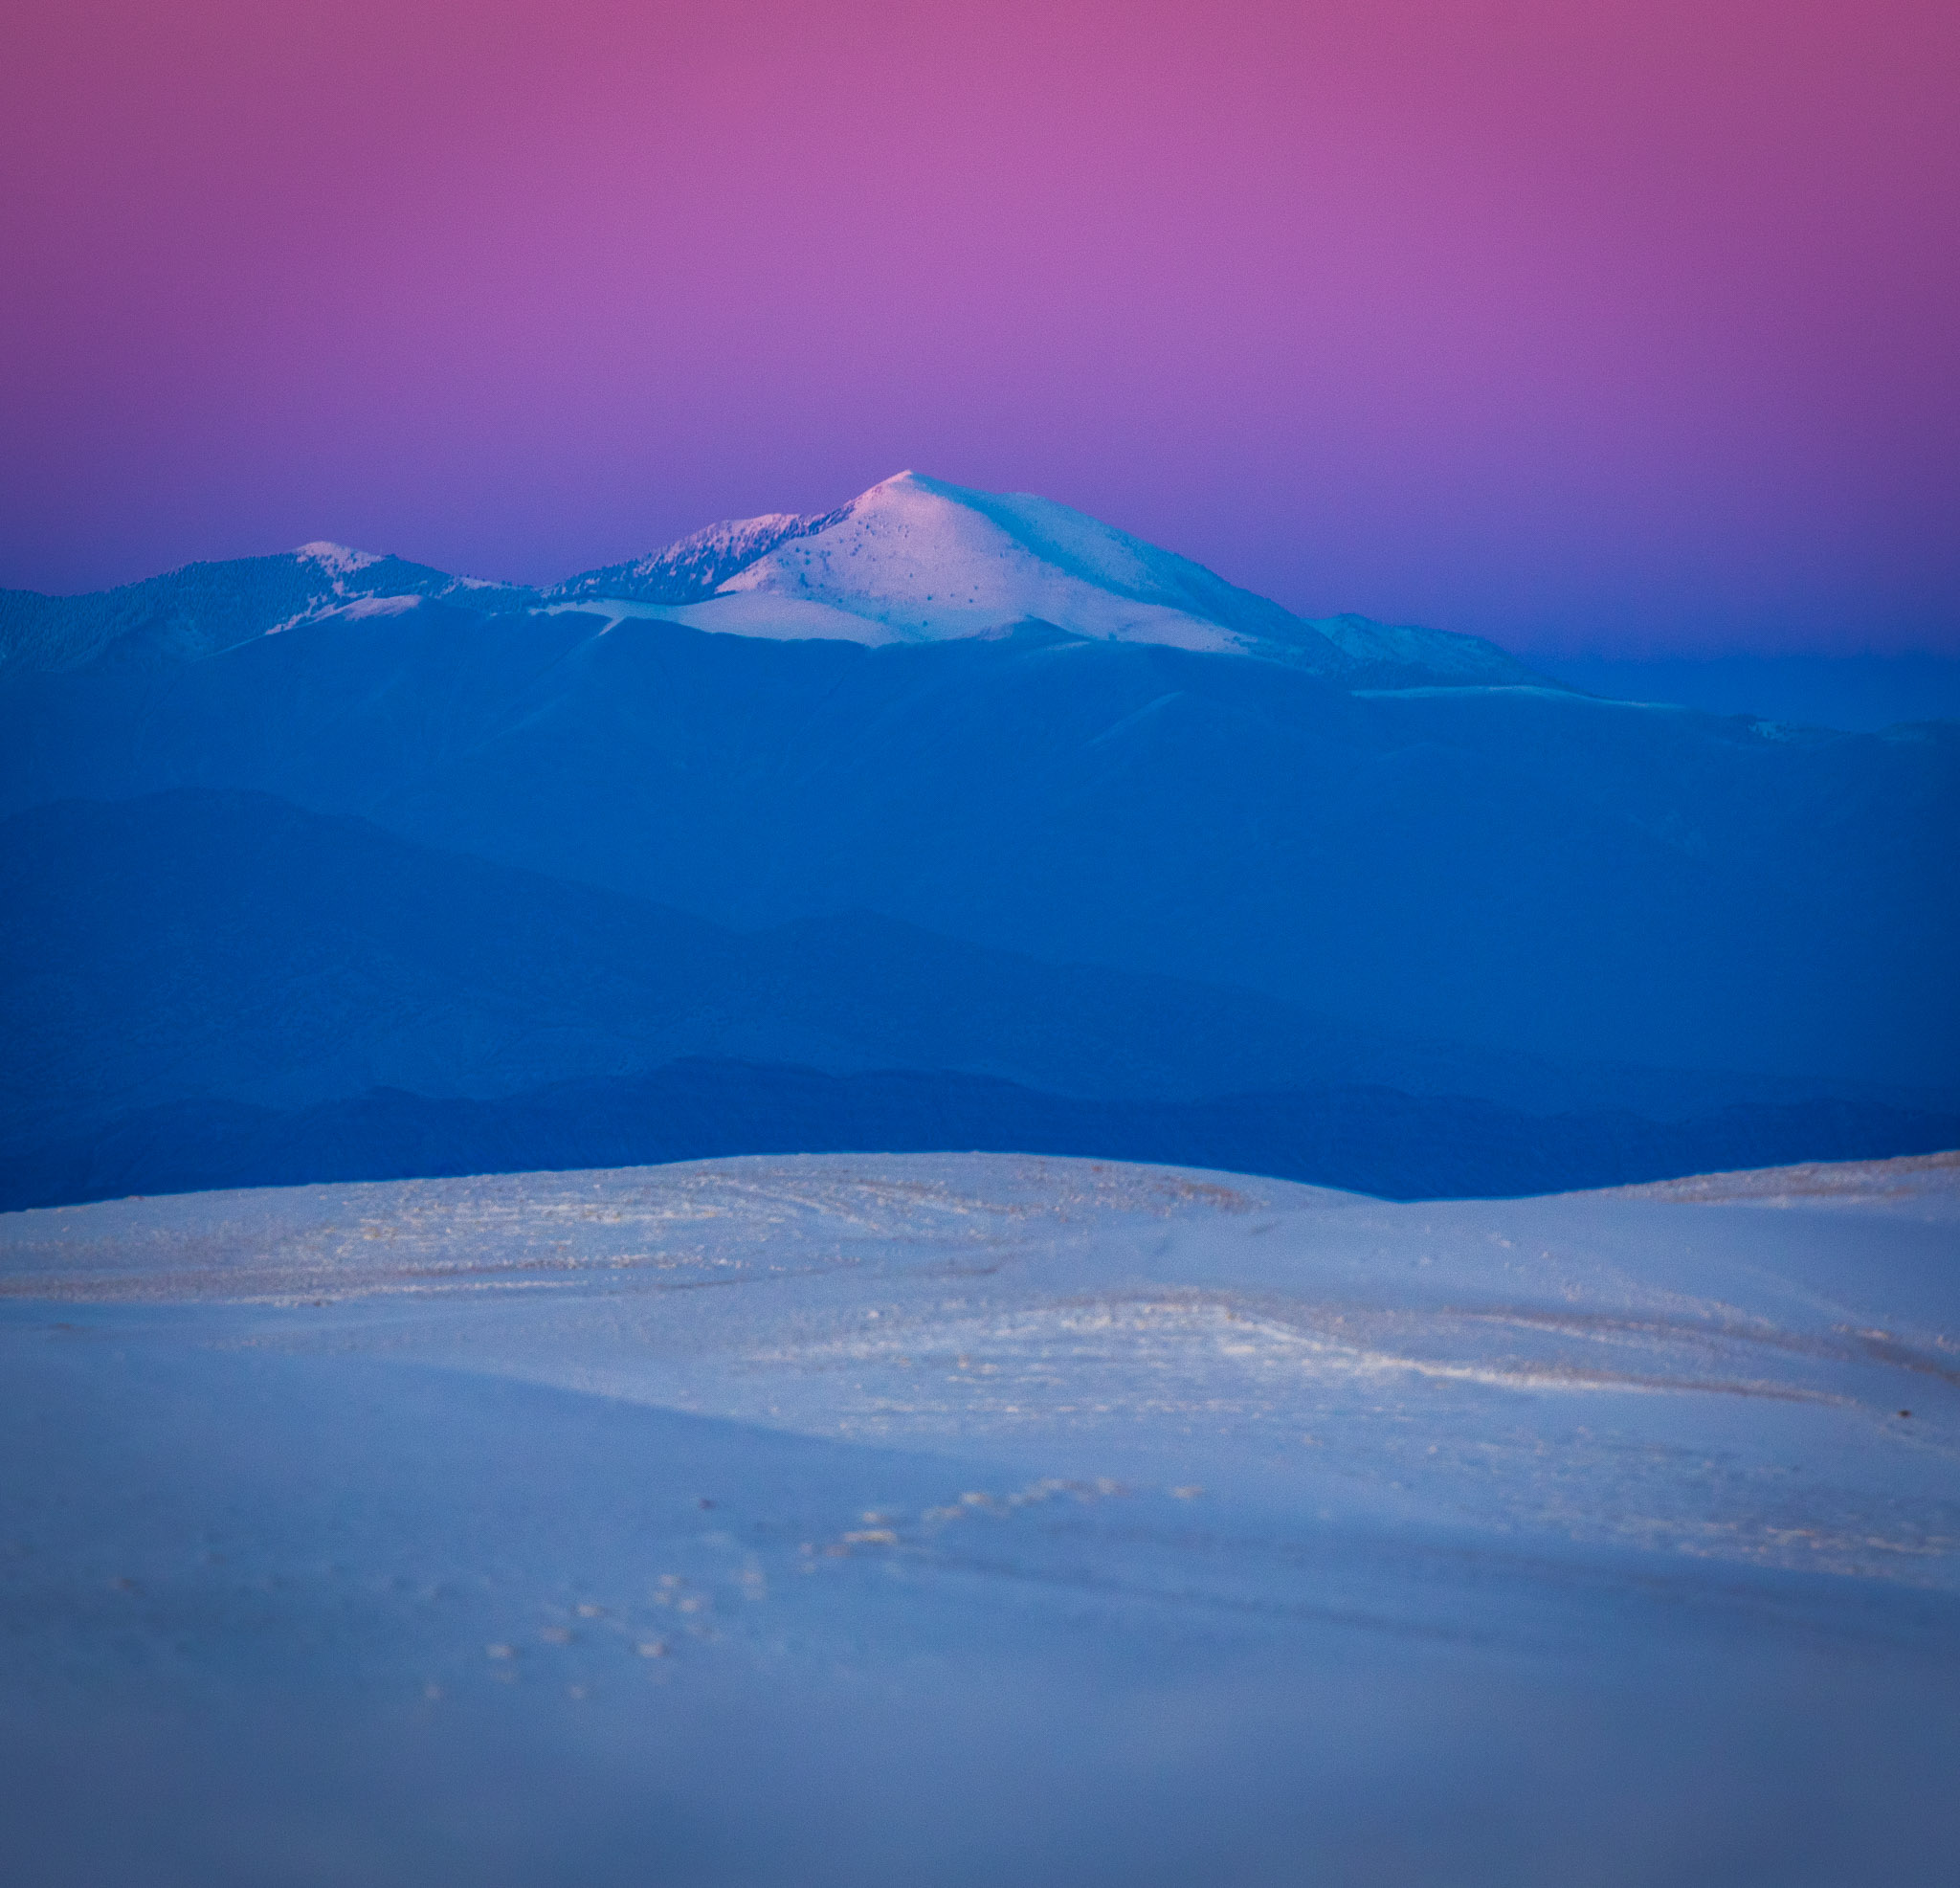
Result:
pixel 228 947
pixel 204 988
pixel 1532 872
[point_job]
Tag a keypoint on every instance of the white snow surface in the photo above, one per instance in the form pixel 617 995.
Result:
pixel 717 544
pixel 774 618
pixel 337 560
pixel 925 561
pixel 920 560
pixel 347 610
pixel 982 1518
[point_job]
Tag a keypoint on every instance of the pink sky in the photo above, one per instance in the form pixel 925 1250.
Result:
pixel 1602 326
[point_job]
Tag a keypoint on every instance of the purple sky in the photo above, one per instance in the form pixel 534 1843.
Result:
pixel 1607 326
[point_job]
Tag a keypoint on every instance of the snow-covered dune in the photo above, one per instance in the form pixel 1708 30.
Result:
pixel 983 1517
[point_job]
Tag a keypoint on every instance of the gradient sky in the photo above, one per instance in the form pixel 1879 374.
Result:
pixel 1620 327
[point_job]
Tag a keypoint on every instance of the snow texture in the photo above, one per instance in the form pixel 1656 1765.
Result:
pixel 984 1519
pixel 337 560
pixel 919 559
pixel 928 561
pixel 690 569
pixel 362 607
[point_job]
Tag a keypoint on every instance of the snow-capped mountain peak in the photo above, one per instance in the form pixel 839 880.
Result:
pixel 912 559
pixel 337 560
pixel 917 558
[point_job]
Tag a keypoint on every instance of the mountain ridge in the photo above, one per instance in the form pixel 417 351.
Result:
pixel 980 789
pixel 1585 882
pixel 912 559
pixel 219 945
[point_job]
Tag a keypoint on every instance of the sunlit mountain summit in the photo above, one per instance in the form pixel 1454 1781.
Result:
pixel 913 559
pixel 919 559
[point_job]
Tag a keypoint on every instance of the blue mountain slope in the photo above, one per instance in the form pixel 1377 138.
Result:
pixel 226 946
pixel 1528 871
pixel 203 989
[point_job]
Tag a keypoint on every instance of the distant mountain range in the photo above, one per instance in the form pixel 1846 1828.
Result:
pixel 939 809
pixel 912 559
pixel 237 944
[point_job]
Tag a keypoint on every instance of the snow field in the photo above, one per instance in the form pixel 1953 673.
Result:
pixel 983 1517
